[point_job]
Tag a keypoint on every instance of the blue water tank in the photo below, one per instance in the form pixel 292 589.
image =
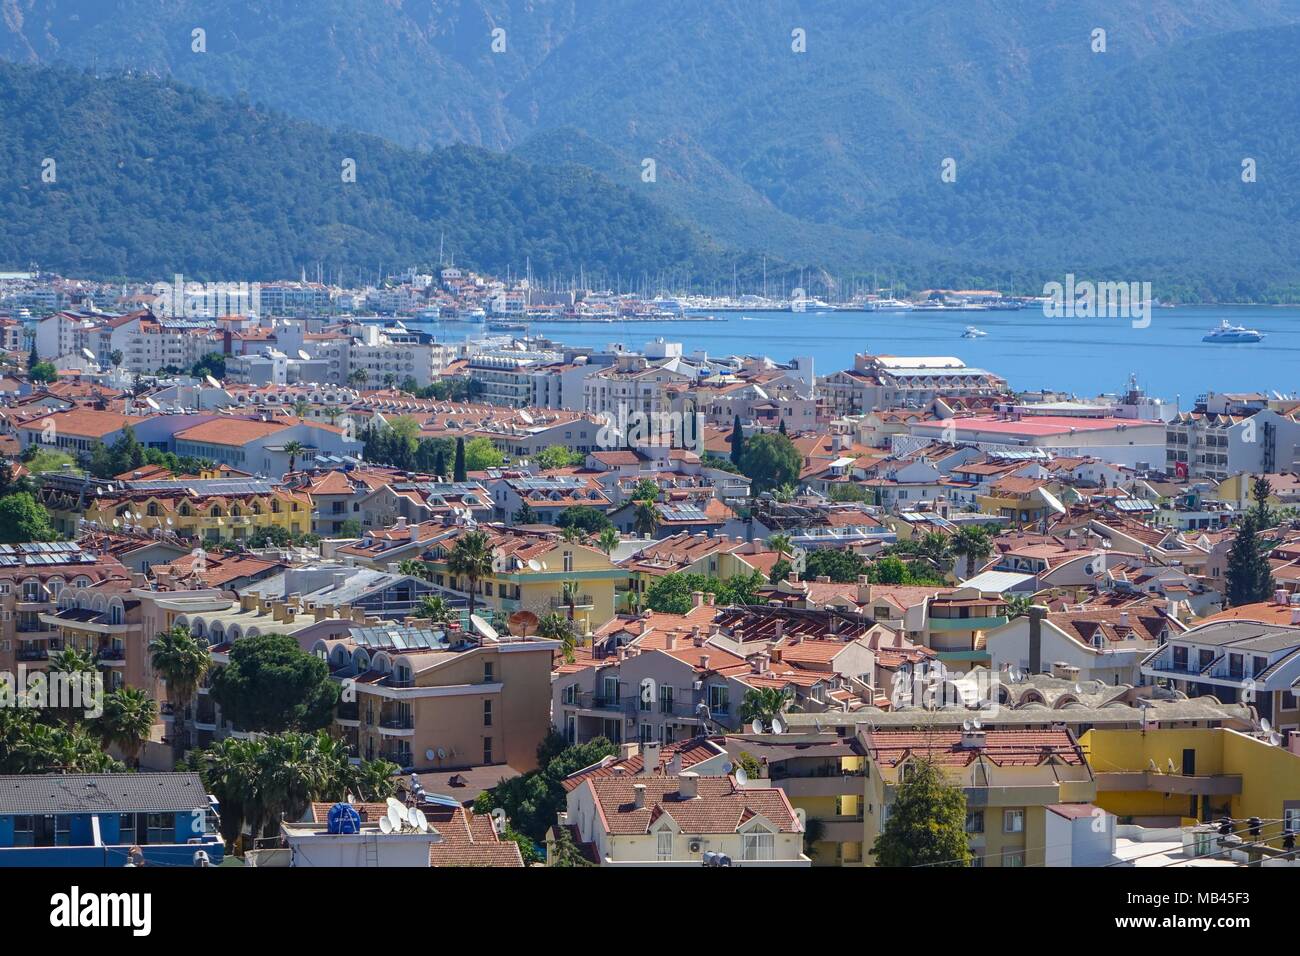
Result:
pixel 343 818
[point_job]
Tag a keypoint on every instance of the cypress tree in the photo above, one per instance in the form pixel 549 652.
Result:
pixel 460 459
pixel 737 442
pixel 1250 578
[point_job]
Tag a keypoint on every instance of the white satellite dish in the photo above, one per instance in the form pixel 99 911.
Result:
pixel 756 726
pixel 1264 725
pixel 742 778
pixel 116 523
pixel 211 381
pixel 385 825
pixel 1275 739
pixel 967 726
pixel 728 766
pixel 151 403
pixel 533 565
pixel 778 725
pixel 88 354
pixel 419 820
pixel 396 817
pixel 303 355
pixel 976 724
pixel 169 521
pixel 428 754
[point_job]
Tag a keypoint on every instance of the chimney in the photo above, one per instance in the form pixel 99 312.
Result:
pixel 638 790
pixel 697 598
pixel 649 758
pixel 671 642
pixel 1123 619
pixel 696 637
pixel 359 615
pixel 688 784
pixel 709 598
pixel 320 612
pixel 778 629
pixel 738 635
pixel 401 524
pixel 865 593
pixel 704 662
pixel 793 577
pixel 248 602
pixel 973 740
pixel 1295 615
pixel 277 610
pixel 1036 614
pixel 1279 596
pixel 823 579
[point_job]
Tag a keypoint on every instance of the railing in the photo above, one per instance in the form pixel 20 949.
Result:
pixel 33 654
pixel 579 600
pixel 398 723
pixel 348 711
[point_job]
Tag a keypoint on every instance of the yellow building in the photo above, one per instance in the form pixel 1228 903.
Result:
pixel 530 570
pixel 1011 778
pixel 1162 777
pixel 208 509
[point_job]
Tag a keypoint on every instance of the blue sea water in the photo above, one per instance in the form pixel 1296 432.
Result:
pixel 1028 349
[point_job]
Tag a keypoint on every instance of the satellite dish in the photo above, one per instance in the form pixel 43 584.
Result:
pixel 211 381
pixel 1264 725
pixel 419 820
pixel 1078 688
pixel 756 726
pixel 534 565
pixel 396 816
pixel 442 754
pixel 976 724
pixel 88 354
pixel 116 523
pixel 728 766
pixel 303 355
pixel 1171 765
pixel 1275 739
pixel 967 726
pixel 169 521
pixel 742 778
pixel 385 825
pixel 778 725
pixel 151 403
pixel 428 755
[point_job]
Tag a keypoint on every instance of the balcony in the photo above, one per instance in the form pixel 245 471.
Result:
pixel 400 757
pixel 33 654
pixel 966 623
pixel 846 785
pixel 579 601
pixel 397 726
pixel 1209 785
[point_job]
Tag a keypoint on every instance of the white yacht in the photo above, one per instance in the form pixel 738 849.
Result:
pixel 1232 333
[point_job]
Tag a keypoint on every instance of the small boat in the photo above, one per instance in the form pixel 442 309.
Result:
pixel 973 333
pixel 1232 333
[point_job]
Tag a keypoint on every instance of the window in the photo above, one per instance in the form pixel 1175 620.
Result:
pixel 568 561
pixel 489 672
pixel 487 749
pixel 647 733
pixel 487 713
pixel 719 699
pixel 1013 821
pixel 665 699
pixel 63 829
pixel 757 846
pixel 975 822
pixel 1013 859
pixel 664 845
pixel 24 831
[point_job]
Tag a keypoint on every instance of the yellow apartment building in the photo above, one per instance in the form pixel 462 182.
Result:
pixel 1010 777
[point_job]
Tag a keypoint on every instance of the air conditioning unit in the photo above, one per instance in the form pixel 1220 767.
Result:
pixel 695 846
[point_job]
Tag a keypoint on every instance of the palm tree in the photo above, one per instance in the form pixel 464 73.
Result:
pixel 416 569
pixel 646 518
pixel 972 543
pixel 934 547
pixel 128 718
pixel 608 540
pixel 77 666
pixel 571 534
pixel 436 609
pixel 781 543
pixel 181 661
pixel 569 594
pixel 556 627
pixel 230 772
pixel 293 775
pixel 333 413
pixel 375 780
pixel 389 380
pixel 301 407
pixel 763 703
pixel 293 449
pixel 357 377
pixel 1018 605
pixel 471 558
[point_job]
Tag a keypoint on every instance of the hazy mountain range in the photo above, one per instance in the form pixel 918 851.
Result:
pixel 1067 159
